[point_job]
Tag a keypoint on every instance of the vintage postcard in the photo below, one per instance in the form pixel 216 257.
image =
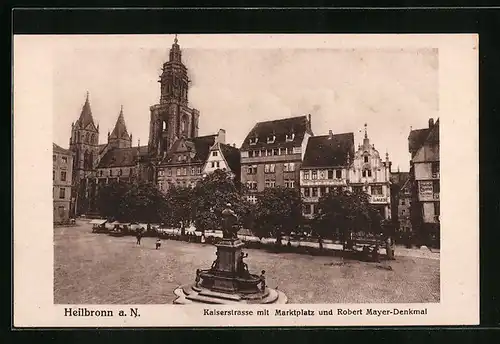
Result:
pixel 245 180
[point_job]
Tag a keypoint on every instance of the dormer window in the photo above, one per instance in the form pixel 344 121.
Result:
pixel 271 138
pixel 290 137
pixel 253 140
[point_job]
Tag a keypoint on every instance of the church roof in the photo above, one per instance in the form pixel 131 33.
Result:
pixel 399 178
pixel 120 129
pixel 121 157
pixel 59 149
pixel 280 128
pixel 329 151
pixel 86 115
pixel 232 156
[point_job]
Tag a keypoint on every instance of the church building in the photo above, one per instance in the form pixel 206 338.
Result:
pixel 174 155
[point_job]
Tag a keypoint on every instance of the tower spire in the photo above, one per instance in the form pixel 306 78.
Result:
pixel 175 39
pixel 366 133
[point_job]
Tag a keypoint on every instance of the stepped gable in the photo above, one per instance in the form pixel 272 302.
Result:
pixel 329 150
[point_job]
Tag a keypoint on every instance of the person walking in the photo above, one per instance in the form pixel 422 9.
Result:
pixel 158 243
pixel 138 236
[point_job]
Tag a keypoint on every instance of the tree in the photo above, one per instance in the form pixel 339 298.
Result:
pixel 278 212
pixel 211 195
pixel 343 211
pixel 143 202
pixel 180 201
pixel 109 199
pixel 126 202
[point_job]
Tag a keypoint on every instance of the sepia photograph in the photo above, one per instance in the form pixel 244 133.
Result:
pixel 247 180
pixel 246 175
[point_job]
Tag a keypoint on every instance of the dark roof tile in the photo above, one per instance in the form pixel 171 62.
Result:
pixel 326 151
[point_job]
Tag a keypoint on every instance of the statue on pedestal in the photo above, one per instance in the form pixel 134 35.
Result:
pixel 242 267
pixel 229 223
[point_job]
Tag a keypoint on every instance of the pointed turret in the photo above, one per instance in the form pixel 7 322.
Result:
pixel 119 137
pixel 366 140
pixel 86 114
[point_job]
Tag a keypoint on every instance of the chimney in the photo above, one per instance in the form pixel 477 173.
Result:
pixel 330 134
pixel 431 122
pixel 221 136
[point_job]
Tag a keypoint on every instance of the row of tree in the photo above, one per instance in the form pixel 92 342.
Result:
pixel 277 212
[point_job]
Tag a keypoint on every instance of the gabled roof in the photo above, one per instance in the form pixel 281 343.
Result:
pixel 120 129
pixel 329 151
pixel 86 115
pixel 59 149
pixel 199 145
pixel 121 157
pixel 280 128
pixel 232 156
pixel 419 137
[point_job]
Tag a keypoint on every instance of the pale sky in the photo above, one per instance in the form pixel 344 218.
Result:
pixel 390 89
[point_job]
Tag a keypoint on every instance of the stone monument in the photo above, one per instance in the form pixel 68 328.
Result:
pixel 228 280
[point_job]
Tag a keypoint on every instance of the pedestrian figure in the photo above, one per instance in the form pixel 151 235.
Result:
pixel 158 243
pixel 262 278
pixel 138 236
pixel 197 279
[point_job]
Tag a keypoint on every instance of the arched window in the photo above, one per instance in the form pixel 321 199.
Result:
pixel 87 138
pixel 86 160
pixel 93 139
pixel 184 125
pixel 164 125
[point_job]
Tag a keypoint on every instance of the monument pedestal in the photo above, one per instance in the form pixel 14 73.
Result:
pixel 228 281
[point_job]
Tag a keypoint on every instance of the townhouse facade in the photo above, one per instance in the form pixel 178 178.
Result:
pixel 272 153
pixel 62 170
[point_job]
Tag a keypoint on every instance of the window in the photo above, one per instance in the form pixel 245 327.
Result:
pixel 110 173
pixel 307 192
pixel 357 189
pixel 212 164
pixel 290 137
pixel 256 153
pixel 179 158
pixel 306 175
pixel 263 152
pixel 120 172
pixel 214 153
pixel 330 174
pixel 271 138
pixel 53 175
pixel 276 151
pixel 250 154
pixel 289 167
pixel 192 171
pixel 314 175
pixel 269 168
pixel 160 185
pixel 366 158
pixel 54 157
pixel 289 150
pixel 269 152
pixel 169 172
pixel 217 164
pixel 62 193
pixel 63 176
pixel 338 174
pixel 253 140
pixel 270 183
pixel 160 172
pixel 184 171
pixel 289 183
pixel 403 202
pixel 322 191
pixel 64 160
pixel 369 173
pixel 307 209
pixel 199 170
pixel 178 172
pixel 435 169
pixel 252 185
pixel 252 169
pixel 377 190
pixel 100 173
pixel 314 192
pixel 436 186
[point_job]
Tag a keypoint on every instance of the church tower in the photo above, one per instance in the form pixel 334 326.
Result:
pixel 84 143
pixel 119 137
pixel 172 118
